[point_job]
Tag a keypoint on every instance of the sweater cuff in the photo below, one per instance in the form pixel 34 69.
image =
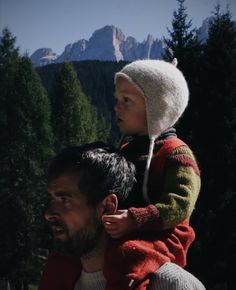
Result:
pixel 145 216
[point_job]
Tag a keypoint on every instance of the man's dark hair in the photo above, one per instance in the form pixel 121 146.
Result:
pixel 100 168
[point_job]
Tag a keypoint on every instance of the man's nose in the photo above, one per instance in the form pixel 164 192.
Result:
pixel 51 214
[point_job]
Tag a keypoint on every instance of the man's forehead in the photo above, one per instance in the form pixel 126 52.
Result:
pixel 64 179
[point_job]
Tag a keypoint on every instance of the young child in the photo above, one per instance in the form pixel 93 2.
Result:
pixel 151 95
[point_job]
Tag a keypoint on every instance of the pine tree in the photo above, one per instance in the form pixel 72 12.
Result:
pixel 9 59
pixel 218 110
pixel 25 147
pixel 97 82
pixel 183 44
pixel 217 141
pixel 74 119
pixel 8 51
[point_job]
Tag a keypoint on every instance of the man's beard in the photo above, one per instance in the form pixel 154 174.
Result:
pixel 81 242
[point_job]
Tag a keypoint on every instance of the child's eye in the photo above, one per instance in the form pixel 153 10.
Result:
pixel 126 100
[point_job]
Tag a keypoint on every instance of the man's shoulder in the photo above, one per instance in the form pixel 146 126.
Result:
pixel 59 272
pixel 171 276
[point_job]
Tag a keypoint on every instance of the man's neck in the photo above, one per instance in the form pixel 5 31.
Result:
pixel 94 260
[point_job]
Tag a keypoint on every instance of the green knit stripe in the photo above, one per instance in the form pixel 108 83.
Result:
pixel 180 192
pixel 183 155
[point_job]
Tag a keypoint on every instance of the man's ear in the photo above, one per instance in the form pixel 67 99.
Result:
pixel 108 205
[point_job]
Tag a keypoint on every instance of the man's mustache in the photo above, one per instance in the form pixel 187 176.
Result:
pixel 57 224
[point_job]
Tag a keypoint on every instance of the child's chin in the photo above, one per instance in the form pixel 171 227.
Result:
pixel 130 132
pixel 125 132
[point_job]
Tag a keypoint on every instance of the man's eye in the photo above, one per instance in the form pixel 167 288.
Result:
pixel 65 199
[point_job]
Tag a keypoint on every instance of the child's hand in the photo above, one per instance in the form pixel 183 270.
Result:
pixel 118 224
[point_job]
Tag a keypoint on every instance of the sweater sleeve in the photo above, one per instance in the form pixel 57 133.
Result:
pixel 59 273
pixel 176 201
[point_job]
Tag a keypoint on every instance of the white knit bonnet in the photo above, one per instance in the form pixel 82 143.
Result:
pixel 166 94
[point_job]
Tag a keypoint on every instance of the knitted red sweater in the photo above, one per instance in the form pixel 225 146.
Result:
pixel 129 262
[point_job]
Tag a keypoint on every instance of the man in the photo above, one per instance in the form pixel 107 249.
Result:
pixel 85 183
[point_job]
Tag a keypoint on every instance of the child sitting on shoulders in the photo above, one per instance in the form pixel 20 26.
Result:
pixel 151 95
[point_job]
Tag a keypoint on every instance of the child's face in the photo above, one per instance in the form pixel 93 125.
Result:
pixel 130 108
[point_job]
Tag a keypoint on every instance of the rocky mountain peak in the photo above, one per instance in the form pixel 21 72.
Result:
pixel 110 44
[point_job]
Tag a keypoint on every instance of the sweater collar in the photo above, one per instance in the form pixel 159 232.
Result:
pixel 170 132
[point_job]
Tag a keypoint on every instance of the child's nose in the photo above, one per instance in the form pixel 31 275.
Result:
pixel 117 107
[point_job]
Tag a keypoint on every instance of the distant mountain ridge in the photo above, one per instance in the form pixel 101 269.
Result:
pixel 109 44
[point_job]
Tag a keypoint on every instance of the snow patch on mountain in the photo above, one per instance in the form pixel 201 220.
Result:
pixel 43 56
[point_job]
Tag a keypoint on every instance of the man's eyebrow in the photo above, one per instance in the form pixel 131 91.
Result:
pixel 61 193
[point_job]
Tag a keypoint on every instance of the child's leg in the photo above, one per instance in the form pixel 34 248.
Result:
pixel 129 263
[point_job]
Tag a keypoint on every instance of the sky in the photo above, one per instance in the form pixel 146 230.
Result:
pixel 56 23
